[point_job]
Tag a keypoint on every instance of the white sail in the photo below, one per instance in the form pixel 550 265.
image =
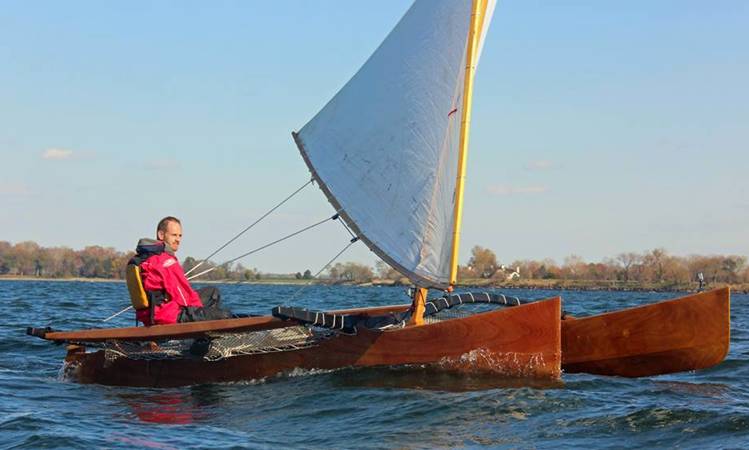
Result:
pixel 384 149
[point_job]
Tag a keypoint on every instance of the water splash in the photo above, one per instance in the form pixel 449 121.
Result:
pixel 68 371
pixel 507 364
pixel 299 372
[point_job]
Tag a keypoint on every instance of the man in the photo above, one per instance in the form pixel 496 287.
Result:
pixel 173 299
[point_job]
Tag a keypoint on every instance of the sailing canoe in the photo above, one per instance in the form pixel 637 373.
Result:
pixel 677 335
pixel 388 151
pixel 520 341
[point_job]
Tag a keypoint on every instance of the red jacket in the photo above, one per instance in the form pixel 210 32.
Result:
pixel 162 272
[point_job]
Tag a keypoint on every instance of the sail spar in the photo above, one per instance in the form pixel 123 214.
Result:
pixel 384 149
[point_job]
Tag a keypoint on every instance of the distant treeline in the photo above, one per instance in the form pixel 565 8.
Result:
pixel 28 259
pixel 654 266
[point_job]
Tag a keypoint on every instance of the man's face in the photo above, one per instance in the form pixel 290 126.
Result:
pixel 172 236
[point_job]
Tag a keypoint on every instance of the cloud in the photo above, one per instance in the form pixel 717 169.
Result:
pixel 13 189
pixel 541 164
pixel 513 190
pixel 57 154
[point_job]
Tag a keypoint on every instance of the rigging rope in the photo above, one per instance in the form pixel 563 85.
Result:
pixel 305 286
pixel 117 314
pixel 343 224
pixel 252 225
pixel 334 217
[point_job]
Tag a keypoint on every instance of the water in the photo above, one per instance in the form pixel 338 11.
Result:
pixel 382 408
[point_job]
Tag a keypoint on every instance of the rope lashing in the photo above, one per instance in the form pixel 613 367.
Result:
pixel 248 228
pixel 448 301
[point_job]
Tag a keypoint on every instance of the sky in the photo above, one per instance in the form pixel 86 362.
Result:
pixel 598 127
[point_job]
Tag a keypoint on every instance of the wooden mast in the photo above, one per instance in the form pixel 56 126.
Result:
pixel 478 13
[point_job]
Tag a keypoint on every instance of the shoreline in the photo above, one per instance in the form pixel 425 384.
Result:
pixel 551 285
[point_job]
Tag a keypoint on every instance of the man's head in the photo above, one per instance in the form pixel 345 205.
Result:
pixel 169 230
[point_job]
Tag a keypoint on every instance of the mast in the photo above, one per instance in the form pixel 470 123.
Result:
pixel 478 12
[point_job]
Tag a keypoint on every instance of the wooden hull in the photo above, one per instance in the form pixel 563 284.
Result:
pixel 522 341
pixel 678 335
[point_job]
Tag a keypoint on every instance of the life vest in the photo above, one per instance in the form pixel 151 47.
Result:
pixel 139 297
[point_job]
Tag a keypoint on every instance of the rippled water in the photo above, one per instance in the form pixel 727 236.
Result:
pixel 382 408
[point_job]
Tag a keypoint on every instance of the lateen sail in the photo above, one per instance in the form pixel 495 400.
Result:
pixel 384 149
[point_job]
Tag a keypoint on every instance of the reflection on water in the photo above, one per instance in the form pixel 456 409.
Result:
pixel 136 442
pixel 183 406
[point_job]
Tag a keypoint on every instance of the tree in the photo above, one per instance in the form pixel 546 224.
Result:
pixel 466 272
pixel 121 264
pixel 5 255
pixel 385 272
pixel 26 257
pixel 350 271
pixel 527 268
pixel 654 263
pixel 574 268
pixel 307 275
pixel 732 266
pixel 98 262
pixel 334 271
pixel 483 262
pixel 598 271
pixel 627 260
pixel 189 263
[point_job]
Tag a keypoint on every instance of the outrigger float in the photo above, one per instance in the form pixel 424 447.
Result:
pixel 389 153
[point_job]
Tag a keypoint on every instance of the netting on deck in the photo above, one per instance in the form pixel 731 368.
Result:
pixel 216 346
pixel 448 314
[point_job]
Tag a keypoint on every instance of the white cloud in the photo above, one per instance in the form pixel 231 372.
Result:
pixel 514 190
pixel 541 164
pixel 57 154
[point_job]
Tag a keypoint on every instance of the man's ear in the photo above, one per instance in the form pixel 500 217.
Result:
pixel 160 235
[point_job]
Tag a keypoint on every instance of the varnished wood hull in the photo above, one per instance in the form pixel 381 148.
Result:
pixel 678 335
pixel 522 341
